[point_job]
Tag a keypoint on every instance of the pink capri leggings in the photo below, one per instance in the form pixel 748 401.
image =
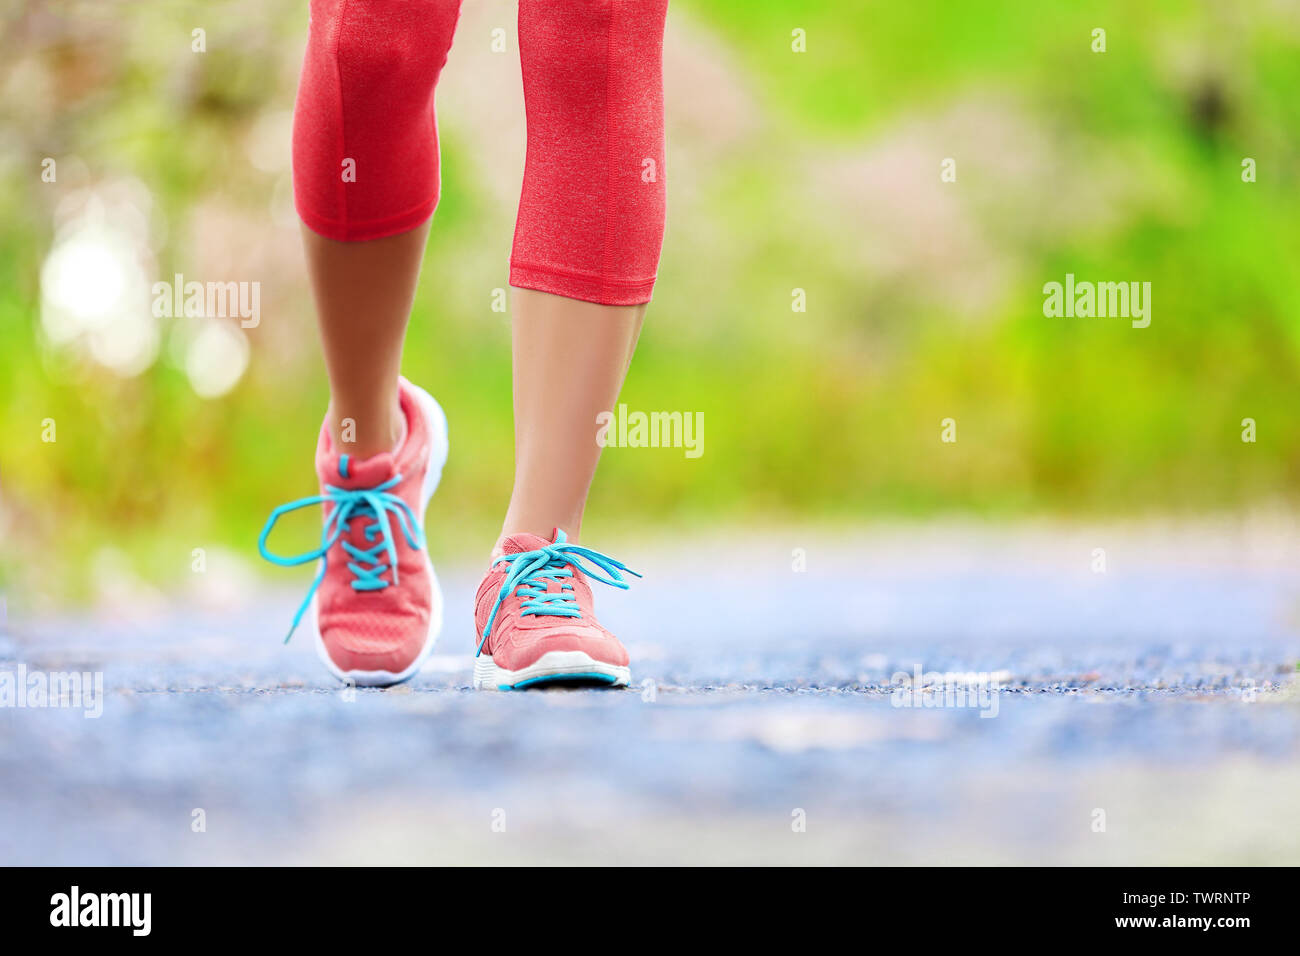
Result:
pixel 591 213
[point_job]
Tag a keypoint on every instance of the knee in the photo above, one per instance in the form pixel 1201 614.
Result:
pixel 594 14
pixel 382 43
pixel 589 63
pixel 592 209
pixel 590 35
pixel 365 151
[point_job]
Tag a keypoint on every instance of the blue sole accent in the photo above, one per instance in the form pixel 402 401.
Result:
pixel 553 678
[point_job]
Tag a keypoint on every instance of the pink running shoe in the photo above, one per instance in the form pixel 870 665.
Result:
pixel 375 603
pixel 535 621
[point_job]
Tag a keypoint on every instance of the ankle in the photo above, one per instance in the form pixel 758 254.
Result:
pixel 367 434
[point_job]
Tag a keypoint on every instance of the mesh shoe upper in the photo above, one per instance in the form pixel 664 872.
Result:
pixel 384 628
pixel 522 629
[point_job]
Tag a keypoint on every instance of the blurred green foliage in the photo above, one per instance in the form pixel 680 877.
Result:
pixel 816 170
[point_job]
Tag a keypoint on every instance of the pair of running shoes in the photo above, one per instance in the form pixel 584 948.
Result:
pixel 376 605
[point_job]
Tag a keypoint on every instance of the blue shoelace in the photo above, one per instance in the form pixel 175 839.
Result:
pixel 367 564
pixel 531 571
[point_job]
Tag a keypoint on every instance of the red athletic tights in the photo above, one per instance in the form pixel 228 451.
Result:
pixel 591 214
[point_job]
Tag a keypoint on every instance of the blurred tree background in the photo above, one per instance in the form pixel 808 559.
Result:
pixel 815 170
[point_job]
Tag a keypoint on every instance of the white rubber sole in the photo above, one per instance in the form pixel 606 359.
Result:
pixel 436 421
pixel 551 667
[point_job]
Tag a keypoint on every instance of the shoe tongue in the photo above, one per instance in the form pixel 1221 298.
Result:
pixel 344 471
pixel 523 541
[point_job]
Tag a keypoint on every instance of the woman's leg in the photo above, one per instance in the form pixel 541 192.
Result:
pixel 366 182
pixel 570 358
pixel 587 240
pixel 365 177
pixel 363 293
